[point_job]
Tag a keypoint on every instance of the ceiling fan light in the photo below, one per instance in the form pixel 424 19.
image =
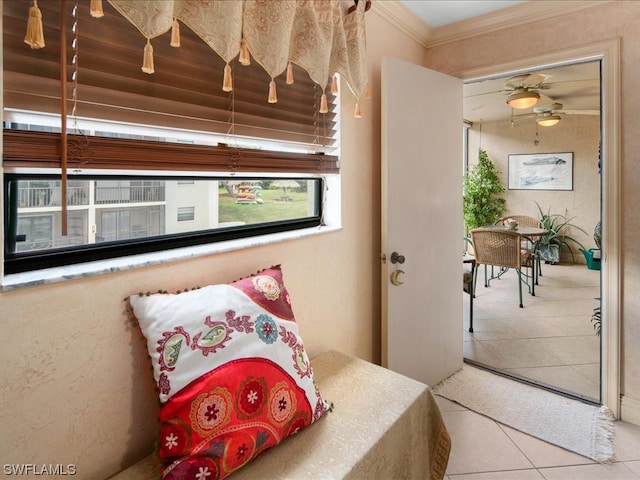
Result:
pixel 548 120
pixel 523 99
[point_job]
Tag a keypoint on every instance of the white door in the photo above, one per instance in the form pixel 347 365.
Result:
pixel 421 221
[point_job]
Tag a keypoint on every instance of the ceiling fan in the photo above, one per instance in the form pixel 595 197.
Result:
pixel 524 90
pixel 532 84
pixel 525 94
pixel 550 114
pixel 546 115
pixel 577 87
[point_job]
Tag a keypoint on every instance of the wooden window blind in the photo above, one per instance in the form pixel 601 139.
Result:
pixel 43 150
pixel 184 93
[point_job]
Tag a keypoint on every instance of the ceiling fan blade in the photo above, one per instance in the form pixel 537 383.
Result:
pixel 482 94
pixel 523 115
pixel 547 107
pixel 527 80
pixel 579 112
pixel 545 100
pixel 518 118
pixel 589 83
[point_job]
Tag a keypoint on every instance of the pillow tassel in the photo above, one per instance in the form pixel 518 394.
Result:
pixel 334 85
pixel 244 58
pixel 289 74
pixel 357 112
pixel 227 82
pixel 367 90
pixel 35 35
pixel 147 61
pixel 324 107
pixel 273 97
pixel 175 33
pixel 96 9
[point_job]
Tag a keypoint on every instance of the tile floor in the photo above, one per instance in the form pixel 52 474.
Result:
pixel 550 340
pixel 483 449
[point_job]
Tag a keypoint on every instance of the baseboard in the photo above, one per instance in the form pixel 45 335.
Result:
pixel 630 410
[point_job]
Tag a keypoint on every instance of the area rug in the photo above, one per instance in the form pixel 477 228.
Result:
pixel 567 423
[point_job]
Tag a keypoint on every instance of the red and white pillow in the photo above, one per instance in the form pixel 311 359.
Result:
pixel 232 373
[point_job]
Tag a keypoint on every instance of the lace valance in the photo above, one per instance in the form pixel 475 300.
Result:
pixel 323 37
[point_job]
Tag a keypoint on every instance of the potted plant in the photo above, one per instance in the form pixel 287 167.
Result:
pixel 552 243
pixel 481 185
pixel 596 320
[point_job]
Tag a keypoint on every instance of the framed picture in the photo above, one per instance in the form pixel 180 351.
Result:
pixel 541 171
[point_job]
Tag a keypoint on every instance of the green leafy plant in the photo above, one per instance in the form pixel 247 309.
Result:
pixel 595 319
pixel 558 227
pixel 481 185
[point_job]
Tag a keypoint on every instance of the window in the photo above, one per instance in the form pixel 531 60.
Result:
pixel 36 232
pixel 137 215
pixel 186 214
pixel 150 166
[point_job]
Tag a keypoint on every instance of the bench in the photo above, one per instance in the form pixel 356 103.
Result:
pixel 382 425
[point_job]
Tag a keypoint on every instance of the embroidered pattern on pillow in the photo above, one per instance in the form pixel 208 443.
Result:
pixel 233 377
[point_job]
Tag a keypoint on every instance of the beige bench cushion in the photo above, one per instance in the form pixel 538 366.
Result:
pixel 383 425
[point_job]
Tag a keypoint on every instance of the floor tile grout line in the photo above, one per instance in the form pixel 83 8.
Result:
pixel 557 310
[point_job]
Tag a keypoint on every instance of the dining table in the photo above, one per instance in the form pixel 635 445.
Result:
pixel 529 234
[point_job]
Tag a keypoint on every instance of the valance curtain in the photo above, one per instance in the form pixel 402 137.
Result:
pixel 321 36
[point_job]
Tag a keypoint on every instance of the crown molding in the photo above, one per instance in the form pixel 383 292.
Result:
pixel 399 15
pixel 396 13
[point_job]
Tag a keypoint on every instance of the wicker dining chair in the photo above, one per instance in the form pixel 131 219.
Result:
pixel 526 221
pixel 500 248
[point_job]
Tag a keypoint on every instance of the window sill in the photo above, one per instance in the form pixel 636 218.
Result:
pixel 90 269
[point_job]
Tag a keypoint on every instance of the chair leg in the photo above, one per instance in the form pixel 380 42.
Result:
pixel 475 280
pixel 534 277
pixel 520 287
pixel 539 265
pixel 471 310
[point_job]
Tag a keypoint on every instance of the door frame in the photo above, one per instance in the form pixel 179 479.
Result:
pixel 608 52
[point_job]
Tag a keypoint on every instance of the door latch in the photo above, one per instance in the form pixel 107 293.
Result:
pixel 395 278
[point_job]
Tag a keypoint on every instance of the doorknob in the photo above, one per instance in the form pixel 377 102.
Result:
pixel 397 258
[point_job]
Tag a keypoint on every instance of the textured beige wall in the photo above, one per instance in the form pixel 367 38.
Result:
pixel 75 384
pixel 618 19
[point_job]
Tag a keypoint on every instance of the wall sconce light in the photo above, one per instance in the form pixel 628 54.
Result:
pixel 548 120
pixel 522 99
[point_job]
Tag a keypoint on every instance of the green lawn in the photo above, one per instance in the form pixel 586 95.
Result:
pixel 269 211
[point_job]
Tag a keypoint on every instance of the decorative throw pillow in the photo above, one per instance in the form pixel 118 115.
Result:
pixel 232 373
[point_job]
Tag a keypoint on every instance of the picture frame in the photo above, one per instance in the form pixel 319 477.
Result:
pixel 541 171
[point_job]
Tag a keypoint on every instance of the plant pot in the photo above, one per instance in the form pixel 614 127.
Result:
pixel 597 234
pixel 550 253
